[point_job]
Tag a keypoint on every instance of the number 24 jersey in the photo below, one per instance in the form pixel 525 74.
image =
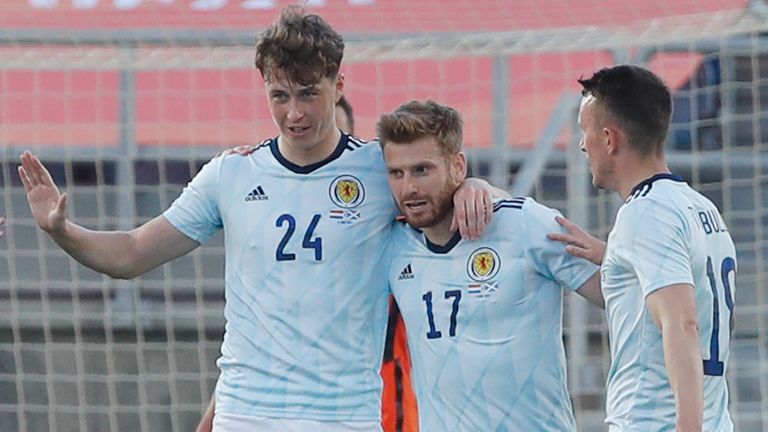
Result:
pixel 305 282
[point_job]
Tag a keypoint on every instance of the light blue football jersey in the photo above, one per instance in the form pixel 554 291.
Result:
pixel 305 279
pixel 666 233
pixel 484 322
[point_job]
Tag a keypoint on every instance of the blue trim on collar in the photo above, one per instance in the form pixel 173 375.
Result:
pixel 649 181
pixel 443 249
pixel 340 147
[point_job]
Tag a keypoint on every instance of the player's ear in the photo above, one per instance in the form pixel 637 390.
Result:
pixel 460 166
pixel 339 85
pixel 613 138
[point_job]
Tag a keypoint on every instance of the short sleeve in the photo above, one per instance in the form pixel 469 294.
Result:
pixel 652 239
pixel 196 211
pixel 549 256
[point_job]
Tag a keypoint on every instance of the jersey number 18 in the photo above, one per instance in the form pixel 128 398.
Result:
pixel 713 366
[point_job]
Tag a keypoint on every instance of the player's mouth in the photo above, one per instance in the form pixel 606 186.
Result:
pixel 298 130
pixel 415 205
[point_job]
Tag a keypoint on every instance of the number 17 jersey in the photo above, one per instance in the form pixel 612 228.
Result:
pixel 484 322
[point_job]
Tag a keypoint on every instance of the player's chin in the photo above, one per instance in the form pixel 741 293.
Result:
pixel 419 220
pixel 596 182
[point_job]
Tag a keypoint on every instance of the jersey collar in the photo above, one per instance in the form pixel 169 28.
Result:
pixel 644 186
pixel 443 249
pixel 298 169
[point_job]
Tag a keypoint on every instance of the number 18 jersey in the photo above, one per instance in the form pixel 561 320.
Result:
pixel 665 234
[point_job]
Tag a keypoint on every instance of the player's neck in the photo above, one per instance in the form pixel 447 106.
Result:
pixel 637 170
pixel 303 155
pixel 440 233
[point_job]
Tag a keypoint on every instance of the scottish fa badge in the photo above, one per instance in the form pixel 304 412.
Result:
pixel 482 266
pixel 346 192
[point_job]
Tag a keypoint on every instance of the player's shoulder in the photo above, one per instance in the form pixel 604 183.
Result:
pixel 658 196
pixel 360 148
pixel 364 158
pixel 659 188
pixel 355 143
pixel 525 208
pixel 509 205
pixel 245 152
pixel 522 218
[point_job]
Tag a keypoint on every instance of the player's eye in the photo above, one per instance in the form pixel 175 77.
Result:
pixel 421 170
pixel 307 93
pixel 279 96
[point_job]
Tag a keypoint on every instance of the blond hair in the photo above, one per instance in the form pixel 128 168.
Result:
pixel 415 120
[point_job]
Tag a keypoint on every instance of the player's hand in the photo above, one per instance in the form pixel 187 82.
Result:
pixel 2 227
pixel 578 242
pixel 472 208
pixel 243 150
pixel 48 206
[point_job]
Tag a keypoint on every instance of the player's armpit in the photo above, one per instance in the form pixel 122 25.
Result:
pixel 591 291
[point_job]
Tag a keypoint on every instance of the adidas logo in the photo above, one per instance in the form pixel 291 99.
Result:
pixel 257 195
pixel 407 273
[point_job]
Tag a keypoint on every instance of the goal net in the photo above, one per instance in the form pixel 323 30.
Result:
pixel 124 100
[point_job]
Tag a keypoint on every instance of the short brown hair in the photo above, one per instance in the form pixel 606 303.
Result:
pixel 302 46
pixel 636 99
pixel 415 120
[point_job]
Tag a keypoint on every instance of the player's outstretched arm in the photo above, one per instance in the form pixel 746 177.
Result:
pixel 673 309
pixel 116 253
pixel 473 206
pixel 578 242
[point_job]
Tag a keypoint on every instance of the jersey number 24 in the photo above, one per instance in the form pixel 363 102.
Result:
pixel 307 243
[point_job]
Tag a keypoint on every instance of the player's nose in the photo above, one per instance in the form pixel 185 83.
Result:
pixel 294 111
pixel 409 186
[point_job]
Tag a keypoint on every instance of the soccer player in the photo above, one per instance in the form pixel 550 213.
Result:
pixel 399 412
pixel 2 227
pixel 306 218
pixel 484 316
pixel 668 269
